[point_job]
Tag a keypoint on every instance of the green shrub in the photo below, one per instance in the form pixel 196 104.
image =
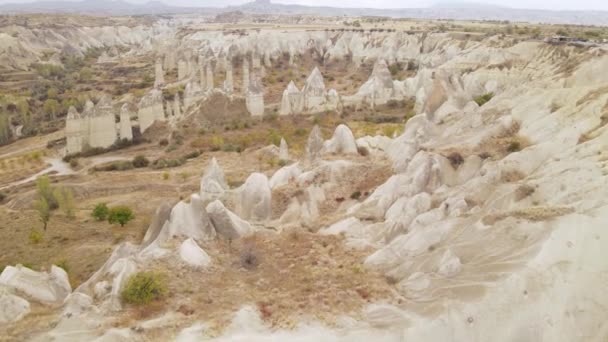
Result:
pixel 121 215
pixel 355 195
pixel 143 288
pixel 100 213
pixel 483 99
pixel 140 161
pixel 35 237
pixel 192 155
pixel 165 175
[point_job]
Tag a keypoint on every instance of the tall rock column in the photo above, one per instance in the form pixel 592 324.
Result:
pixel 229 82
pixel 245 76
pixel 159 75
pixel 209 77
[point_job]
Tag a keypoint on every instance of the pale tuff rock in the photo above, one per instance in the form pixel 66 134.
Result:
pixel 116 270
pixel 255 96
pixel 227 224
pixel 126 131
pixel 285 175
pixel 213 184
pixel 192 94
pixel 449 265
pixel 292 101
pixel 192 254
pixel 379 89
pixel 177 111
pixel 255 198
pixel 96 127
pixel 49 288
pixel 375 144
pixel 283 150
pixel 229 82
pixel 182 70
pixel 385 316
pixel 342 142
pixel 162 215
pixel 209 83
pixel 150 109
pixel 12 308
pixel 314 144
pixel 313 97
pixel 74 132
pixel 188 220
pixel 159 74
pixel 245 85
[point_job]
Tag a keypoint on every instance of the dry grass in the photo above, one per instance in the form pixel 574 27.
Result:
pixel 294 275
pixel 534 214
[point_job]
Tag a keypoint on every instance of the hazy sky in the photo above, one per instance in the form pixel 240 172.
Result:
pixel 532 4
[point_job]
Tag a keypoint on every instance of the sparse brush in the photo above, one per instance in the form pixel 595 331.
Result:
pixel 249 259
pixel 35 237
pixel 144 288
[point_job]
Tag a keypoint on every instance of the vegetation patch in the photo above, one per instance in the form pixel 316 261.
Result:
pixel 143 288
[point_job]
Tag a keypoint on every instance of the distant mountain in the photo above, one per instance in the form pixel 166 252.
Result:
pixel 456 11
pixel 98 7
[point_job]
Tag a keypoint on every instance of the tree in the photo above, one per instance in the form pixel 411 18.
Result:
pixel 5 132
pixel 100 212
pixel 44 212
pixel 51 107
pixel 120 215
pixel 44 189
pixel 65 199
pixel 52 93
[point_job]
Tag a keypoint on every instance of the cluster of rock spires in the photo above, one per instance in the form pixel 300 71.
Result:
pixel 457 239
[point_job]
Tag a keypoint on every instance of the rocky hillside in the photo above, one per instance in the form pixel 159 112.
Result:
pixel 482 219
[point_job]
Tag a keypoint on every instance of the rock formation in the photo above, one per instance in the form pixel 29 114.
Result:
pixel 50 288
pixel 159 75
pixel 283 150
pixel 313 98
pixel 150 109
pixel 209 83
pixel 245 85
pixel 229 82
pixel 291 102
pixel 314 144
pixel 126 131
pixel 255 198
pixel 255 96
pixel 213 184
pixel 227 224
pixel 343 141
pixel 192 254
pixel 379 89
pixel 95 127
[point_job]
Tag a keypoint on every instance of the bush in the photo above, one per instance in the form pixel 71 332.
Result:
pixel 455 159
pixel 192 155
pixel 514 146
pixel 121 215
pixel 140 161
pixel 163 142
pixel 2 196
pixel 143 288
pixel 165 175
pixel 483 99
pixel 249 259
pixel 355 195
pixel 100 213
pixel 74 163
pixel 45 191
pixel 35 237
